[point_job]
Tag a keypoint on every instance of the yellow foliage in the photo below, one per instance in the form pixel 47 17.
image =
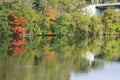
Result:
pixel 50 13
pixel 50 57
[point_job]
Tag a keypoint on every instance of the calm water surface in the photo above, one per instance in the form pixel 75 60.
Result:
pixel 110 71
pixel 60 58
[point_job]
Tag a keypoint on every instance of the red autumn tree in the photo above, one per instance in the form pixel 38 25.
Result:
pixel 16 26
pixel 16 46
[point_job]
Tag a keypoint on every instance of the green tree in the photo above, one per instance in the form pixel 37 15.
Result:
pixel 108 20
pixel 80 21
pixel 111 21
pixel 95 24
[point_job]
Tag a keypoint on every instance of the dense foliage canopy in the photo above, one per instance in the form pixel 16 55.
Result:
pixel 58 17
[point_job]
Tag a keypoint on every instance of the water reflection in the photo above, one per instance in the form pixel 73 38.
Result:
pixel 90 57
pixel 50 57
pixel 16 46
pixel 54 58
pixel 109 72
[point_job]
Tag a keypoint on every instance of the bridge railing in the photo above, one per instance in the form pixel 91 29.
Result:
pixel 102 1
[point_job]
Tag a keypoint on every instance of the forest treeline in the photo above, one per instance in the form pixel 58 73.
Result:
pixel 59 17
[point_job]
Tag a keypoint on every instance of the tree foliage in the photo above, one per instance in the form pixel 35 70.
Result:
pixel 60 16
pixel 111 20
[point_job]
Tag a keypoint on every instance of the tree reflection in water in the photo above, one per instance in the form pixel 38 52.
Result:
pixel 16 46
pixel 55 58
pixel 50 57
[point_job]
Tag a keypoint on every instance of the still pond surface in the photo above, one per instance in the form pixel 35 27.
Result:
pixel 60 58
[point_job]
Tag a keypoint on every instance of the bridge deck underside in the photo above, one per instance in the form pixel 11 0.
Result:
pixel 105 7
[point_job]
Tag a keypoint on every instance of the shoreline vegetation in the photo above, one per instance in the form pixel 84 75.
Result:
pixel 56 18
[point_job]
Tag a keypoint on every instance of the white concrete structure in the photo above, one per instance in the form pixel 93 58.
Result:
pixel 92 10
pixel 98 9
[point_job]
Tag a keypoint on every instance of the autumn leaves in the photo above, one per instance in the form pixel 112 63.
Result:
pixel 16 46
pixel 16 26
pixel 50 13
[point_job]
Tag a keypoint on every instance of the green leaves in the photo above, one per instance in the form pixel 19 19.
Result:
pixel 111 20
pixel 95 22
pixel 4 27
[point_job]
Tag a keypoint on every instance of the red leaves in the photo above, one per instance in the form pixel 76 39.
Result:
pixel 16 26
pixel 17 50
pixel 19 30
pixel 16 46
pixel 17 22
pixel 18 42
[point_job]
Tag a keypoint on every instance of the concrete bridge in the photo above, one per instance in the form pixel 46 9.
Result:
pixel 98 9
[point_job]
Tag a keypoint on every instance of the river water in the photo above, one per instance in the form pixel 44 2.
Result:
pixel 110 71
pixel 60 58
